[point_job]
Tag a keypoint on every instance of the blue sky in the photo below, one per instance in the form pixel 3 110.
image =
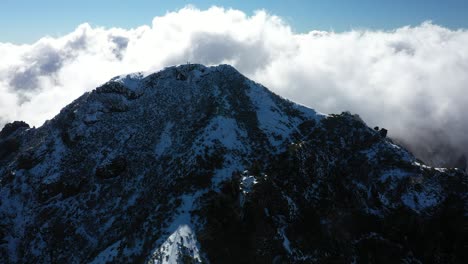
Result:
pixel 23 21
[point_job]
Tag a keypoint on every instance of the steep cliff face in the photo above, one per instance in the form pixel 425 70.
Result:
pixel 200 164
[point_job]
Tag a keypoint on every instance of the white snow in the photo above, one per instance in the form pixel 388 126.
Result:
pixel 247 183
pixel 182 239
pixel 183 212
pixel 246 186
pixel 165 140
pixel 223 131
pixel 273 120
pixel 182 242
pixel 286 242
pixel 226 131
pixel 132 80
pixel 421 165
pixel 270 118
pixel 428 167
pixel 441 169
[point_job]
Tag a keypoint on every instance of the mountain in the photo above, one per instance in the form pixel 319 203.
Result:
pixel 199 164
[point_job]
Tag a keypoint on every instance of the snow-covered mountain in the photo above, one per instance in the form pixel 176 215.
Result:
pixel 199 164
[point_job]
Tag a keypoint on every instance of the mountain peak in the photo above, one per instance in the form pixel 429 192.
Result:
pixel 196 163
pixel 192 93
pixel 180 72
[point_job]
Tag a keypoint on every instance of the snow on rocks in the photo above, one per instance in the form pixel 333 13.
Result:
pixel 115 172
pixel 179 246
pixel 246 186
pixel 247 182
pixel 181 243
pixel 165 141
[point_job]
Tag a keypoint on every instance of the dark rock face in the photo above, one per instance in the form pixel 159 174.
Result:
pixel 115 168
pixel 10 128
pixel 8 146
pixel 199 164
pixel 9 143
pixel 332 202
pixel 383 132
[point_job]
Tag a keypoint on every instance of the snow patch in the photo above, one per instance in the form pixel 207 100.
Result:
pixel 165 140
pixel 179 245
pixel 132 81
pixel 275 122
pixel 286 242
pixel 223 130
pixel 270 118
pixel 246 186
pixel 182 239
pixel 421 165
pixel 247 183
pixel 441 169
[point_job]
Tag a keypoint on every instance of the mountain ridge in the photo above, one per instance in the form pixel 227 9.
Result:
pixel 200 164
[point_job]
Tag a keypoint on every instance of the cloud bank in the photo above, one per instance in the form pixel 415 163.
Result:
pixel 411 80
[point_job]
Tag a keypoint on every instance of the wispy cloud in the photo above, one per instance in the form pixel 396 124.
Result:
pixel 412 80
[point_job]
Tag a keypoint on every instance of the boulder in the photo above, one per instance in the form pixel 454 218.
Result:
pixel 383 132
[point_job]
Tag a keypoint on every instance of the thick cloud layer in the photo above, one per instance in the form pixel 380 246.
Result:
pixel 412 80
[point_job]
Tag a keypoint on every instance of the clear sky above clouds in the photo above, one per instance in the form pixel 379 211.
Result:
pixel 25 21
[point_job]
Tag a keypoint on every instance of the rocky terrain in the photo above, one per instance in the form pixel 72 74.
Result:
pixel 198 164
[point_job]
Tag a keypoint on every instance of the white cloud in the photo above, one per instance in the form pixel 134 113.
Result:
pixel 412 80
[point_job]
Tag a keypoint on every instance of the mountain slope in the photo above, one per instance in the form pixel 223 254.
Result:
pixel 200 164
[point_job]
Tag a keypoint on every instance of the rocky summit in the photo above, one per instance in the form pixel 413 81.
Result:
pixel 198 164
